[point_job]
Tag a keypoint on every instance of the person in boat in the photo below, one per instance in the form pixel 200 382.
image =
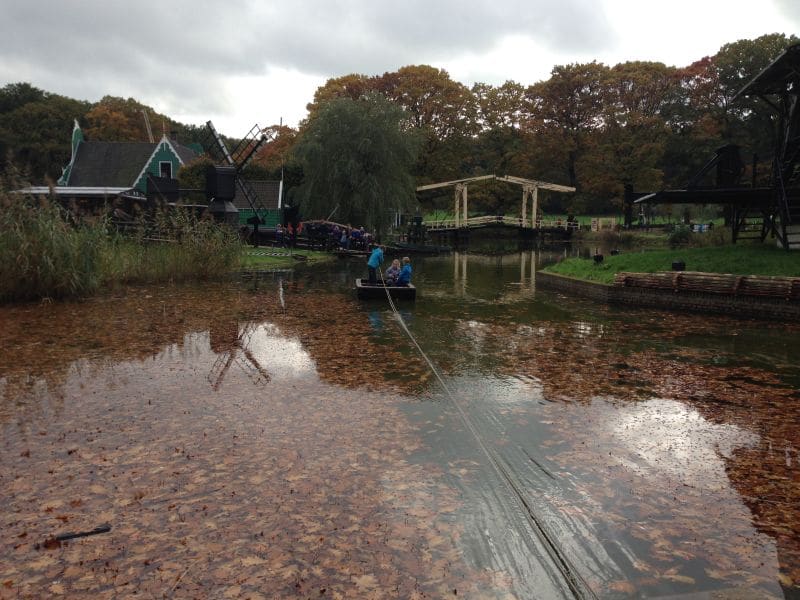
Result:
pixel 374 263
pixel 404 278
pixel 390 277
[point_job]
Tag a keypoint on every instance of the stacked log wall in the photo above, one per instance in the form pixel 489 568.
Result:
pixel 742 296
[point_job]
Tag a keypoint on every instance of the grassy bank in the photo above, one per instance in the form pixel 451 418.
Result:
pixel 280 258
pixel 738 260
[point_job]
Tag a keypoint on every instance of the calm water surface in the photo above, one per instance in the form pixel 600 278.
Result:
pixel 273 437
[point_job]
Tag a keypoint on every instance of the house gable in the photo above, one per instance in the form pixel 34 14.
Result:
pixel 121 164
pixel 164 152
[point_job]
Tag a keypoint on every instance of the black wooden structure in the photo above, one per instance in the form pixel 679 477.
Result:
pixel 365 291
pixel 756 211
pixel 222 181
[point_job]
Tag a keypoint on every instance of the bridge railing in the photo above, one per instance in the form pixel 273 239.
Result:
pixel 440 224
pixel 485 220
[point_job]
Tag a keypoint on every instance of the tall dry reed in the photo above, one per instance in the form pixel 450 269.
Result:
pixel 46 253
pixel 43 254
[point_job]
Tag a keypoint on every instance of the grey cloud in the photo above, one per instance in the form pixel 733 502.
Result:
pixel 371 37
pixel 183 50
pixel 328 38
pixel 789 9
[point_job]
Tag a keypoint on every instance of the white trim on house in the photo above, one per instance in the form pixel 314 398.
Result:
pixel 164 140
pixel 165 162
pixel 61 190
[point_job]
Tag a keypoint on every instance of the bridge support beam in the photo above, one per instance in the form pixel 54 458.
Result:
pixel 457 207
pixel 532 192
pixel 460 208
pixel 464 199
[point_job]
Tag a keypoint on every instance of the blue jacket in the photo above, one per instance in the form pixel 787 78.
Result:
pixel 376 258
pixel 405 275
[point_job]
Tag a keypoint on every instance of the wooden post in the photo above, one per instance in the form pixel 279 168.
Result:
pixel 457 203
pixel 524 206
pixel 466 213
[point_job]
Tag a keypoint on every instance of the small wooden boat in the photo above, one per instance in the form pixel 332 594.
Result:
pixel 365 291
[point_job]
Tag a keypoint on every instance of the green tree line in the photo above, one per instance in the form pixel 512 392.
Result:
pixel 589 125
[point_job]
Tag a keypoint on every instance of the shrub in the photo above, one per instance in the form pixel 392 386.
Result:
pixel 680 236
pixel 173 245
pixel 618 239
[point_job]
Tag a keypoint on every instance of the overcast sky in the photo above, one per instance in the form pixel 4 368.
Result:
pixel 241 62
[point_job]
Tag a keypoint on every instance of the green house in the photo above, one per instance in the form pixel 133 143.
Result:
pixel 116 166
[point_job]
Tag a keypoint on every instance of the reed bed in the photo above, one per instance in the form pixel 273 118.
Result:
pixel 45 252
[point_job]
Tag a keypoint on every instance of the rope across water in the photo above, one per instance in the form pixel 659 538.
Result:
pixel 577 585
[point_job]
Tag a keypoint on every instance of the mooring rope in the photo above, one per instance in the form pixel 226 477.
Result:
pixel 576 583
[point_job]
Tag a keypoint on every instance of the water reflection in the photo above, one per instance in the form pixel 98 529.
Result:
pixel 660 451
pixel 675 441
pixel 523 286
pixel 256 346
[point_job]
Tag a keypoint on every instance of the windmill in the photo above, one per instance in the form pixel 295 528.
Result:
pixel 227 178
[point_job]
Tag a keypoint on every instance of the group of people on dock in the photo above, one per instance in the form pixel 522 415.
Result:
pixel 398 274
pixel 352 238
pixel 323 235
pixel 286 237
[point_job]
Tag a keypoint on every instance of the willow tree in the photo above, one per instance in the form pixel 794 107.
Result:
pixel 357 157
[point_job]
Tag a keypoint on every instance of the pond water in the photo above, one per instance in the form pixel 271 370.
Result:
pixel 274 437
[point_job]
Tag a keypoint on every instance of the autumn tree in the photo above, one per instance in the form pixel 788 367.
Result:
pixel 356 158
pixel 431 100
pixel 630 146
pixel 36 128
pixel 441 109
pixel 499 107
pixel 353 86
pixel 122 120
pixel 278 151
pixel 568 108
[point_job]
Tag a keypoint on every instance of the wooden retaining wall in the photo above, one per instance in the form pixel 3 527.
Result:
pixel 743 296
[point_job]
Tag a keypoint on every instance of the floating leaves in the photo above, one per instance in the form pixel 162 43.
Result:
pixel 314 482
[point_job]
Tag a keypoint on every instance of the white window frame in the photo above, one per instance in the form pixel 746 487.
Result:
pixel 160 170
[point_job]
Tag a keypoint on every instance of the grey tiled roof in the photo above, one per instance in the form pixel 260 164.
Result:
pixel 112 164
pixel 116 164
pixel 186 154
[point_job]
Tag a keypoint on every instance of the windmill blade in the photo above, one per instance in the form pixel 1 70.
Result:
pixel 220 369
pixel 218 145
